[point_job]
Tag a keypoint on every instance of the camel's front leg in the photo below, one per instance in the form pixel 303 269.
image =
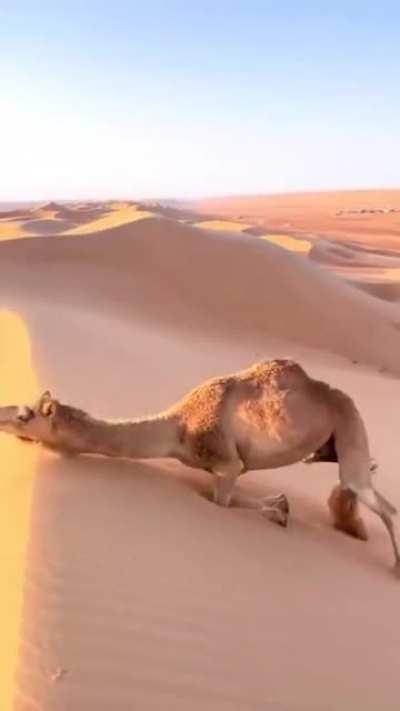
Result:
pixel 225 476
pixel 275 508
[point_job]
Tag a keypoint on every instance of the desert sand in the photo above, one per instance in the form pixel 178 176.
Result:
pixel 127 587
pixel 362 214
pixel 355 234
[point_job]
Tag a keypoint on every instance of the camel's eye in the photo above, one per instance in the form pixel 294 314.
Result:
pixel 25 414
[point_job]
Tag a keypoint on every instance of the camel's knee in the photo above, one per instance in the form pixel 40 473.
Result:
pixel 224 481
pixel 343 505
pixel 223 490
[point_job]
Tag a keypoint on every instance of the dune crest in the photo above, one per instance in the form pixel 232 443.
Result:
pixel 75 218
pixel 17 380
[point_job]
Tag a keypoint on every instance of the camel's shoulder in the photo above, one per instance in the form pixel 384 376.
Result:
pixel 201 407
pixel 343 404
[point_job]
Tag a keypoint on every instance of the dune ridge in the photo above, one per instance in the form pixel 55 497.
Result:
pixel 75 218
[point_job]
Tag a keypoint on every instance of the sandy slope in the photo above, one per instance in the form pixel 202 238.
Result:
pixel 375 270
pixel 328 226
pixel 139 593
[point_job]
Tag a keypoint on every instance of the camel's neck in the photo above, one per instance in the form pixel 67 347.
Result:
pixel 139 439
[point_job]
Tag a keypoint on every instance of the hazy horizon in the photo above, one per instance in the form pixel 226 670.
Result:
pixel 172 100
pixel 11 204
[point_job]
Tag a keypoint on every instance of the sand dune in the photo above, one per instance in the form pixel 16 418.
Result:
pixel 375 271
pixel 273 288
pixel 76 218
pixel 355 235
pixel 293 244
pixel 286 221
pixel 364 215
pixel 138 592
pixel 116 215
pixel 224 225
pixel 354 254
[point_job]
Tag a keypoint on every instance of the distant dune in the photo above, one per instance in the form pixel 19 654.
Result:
pixel 364 215
pixel 313 223
pixel 76 218
pixel 127 587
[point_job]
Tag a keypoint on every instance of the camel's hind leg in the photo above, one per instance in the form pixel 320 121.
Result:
pixel 352 448
pixel 343 505
pixel 377 503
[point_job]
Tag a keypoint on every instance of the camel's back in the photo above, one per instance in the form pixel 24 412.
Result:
pixel 281 401
pixel 288 417
pixel 205 406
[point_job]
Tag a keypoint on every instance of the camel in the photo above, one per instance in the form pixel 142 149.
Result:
pixel 270 415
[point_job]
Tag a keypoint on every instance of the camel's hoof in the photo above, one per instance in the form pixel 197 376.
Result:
pixel 278 513
pixel 282 520
pixel 280 502
pixel 276 502
pixel 278 516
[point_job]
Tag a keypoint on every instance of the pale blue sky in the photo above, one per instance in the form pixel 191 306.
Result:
pixel 156 99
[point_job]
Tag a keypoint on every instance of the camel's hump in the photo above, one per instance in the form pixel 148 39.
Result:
pixel 281 373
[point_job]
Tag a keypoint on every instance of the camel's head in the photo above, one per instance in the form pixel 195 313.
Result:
pixel 35 423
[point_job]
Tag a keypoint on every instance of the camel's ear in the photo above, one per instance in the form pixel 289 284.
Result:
pixel 46 406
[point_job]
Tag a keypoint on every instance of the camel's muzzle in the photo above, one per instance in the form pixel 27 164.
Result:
pixel 12 417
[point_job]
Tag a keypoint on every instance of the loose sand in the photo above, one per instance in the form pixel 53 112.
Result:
pixel 138 592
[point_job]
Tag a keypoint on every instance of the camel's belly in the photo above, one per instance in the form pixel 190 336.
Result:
pixel 261 451
pixel 263 457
